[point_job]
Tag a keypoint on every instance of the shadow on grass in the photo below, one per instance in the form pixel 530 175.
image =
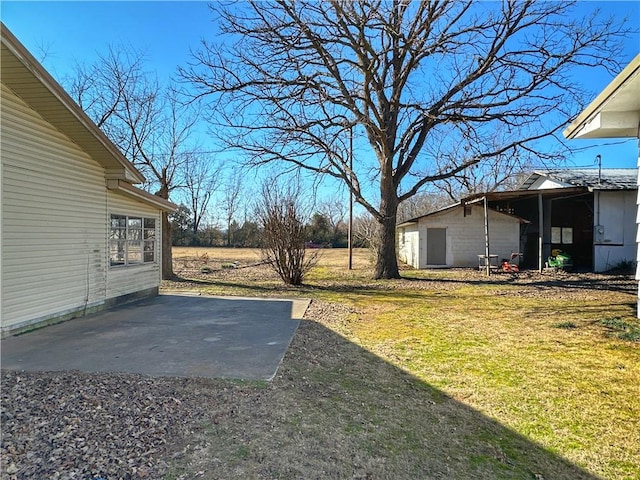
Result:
pixel 335 410
pixel 613 282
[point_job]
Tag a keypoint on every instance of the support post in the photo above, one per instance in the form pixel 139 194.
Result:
pixel 487 259
pixel 540 232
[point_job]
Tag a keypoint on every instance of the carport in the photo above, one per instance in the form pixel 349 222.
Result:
pixel 571 207
pixel 167 335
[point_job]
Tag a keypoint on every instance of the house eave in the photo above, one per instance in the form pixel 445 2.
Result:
pixel 126 188
pixel 615 112
pixel 24 76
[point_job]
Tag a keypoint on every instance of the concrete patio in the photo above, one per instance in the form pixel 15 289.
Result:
pixel 168 335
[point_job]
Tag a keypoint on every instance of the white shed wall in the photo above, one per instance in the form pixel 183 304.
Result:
pixel 615 240
pixel 465 235
pixel 465 238
pixel 53 219
pixel 135 278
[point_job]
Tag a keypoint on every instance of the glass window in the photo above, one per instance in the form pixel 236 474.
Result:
pixel 567 235
pixel 562 235
pixel 132 240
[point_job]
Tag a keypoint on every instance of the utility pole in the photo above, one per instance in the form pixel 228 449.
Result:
pixel 350 231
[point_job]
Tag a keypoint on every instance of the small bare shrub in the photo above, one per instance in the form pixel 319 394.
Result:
pixel 284 234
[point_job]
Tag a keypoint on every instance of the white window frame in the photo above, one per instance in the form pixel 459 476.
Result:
pixel 132 240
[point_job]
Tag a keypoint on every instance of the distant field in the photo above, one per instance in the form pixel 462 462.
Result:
pixel 328 257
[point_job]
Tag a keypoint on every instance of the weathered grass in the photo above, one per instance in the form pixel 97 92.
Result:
pixel 536 358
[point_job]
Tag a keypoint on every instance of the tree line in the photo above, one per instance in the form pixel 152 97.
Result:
pixel 321 229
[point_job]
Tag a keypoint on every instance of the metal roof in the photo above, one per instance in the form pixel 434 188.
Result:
pixel 591 178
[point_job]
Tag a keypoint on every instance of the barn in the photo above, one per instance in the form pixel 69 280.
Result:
pixel 76 234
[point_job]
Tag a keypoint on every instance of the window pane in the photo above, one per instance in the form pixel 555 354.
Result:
pixel 149 250
pixel 118 234
pixel 150 223
pixel 135 223
pixel 556 235
pixel 135 234
pixel 149 234
pixel 567 235
pixel 118 221
pixel 116 252
pixel 134 252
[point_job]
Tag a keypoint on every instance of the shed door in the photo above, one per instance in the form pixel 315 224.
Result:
pixel 436 246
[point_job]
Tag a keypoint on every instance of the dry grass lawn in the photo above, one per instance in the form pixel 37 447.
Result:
pixel 444 374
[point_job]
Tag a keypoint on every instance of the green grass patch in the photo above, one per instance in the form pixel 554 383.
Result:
pixel 565 325
pixel 623 329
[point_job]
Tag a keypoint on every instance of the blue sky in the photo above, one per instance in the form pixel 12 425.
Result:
pixel 62 33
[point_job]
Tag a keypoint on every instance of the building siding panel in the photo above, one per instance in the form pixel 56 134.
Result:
pixel 53 219
pixel 617 217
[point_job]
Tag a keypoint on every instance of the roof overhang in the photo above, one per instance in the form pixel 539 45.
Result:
pixel 461 204
pixel 615 113
pixel 24 75
pixel 524 194
pixel 129 190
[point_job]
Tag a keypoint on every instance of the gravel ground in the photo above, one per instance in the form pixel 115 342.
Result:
pixel 74 425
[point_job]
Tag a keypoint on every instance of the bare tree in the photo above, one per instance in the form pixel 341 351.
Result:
pixel 146 121
pixel 335 211
pixel 366 231
pixel 202 180
pixel 432 87
pixel 421 204
pixel 282 219
pixel 231 201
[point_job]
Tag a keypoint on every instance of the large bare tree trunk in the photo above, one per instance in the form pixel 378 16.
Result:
pixel 167 254
pixel 386 259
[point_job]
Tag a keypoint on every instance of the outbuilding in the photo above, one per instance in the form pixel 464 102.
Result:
pixel 455 237
pixel 76 234
pixel 588 213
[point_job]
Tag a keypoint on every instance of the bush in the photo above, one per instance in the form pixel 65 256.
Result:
pixel 284 234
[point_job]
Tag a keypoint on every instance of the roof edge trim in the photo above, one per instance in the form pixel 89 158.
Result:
pixel 146 197
pixel 40 73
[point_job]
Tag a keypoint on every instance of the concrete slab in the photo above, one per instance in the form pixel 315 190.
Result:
pixel 167 335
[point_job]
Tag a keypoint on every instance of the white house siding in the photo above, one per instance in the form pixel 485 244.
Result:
pixel 136 278
pixel 615 232
pixel 53 220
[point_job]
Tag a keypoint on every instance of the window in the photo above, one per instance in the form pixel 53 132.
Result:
pixel 132 240
pixel 562 235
